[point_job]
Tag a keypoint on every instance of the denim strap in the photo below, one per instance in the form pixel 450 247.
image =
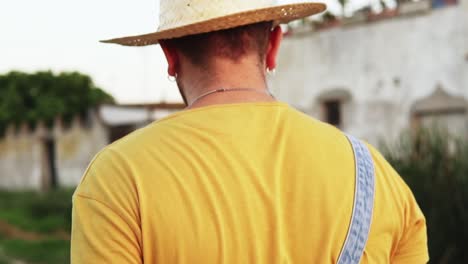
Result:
pixel 361 218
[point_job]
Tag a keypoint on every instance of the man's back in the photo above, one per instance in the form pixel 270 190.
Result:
pixel 240 183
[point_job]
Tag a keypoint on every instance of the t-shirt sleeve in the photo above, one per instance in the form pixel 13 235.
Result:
pixel 411 244
pixel 101 235
pixel 105 218
pixel 412 247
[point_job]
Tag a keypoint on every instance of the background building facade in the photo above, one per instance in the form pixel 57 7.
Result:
pixel 375 76
pixel 43 157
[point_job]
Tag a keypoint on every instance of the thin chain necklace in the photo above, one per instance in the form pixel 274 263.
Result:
pixel 223 90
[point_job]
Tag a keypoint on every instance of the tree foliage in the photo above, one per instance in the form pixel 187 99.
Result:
pixel 44 96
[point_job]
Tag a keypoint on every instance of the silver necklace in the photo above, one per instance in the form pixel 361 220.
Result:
pixel 223 90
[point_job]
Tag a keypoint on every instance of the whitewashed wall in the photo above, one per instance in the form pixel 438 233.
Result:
pixel 24 163
pixel 76 147
pixel 21 160
pixel 386 65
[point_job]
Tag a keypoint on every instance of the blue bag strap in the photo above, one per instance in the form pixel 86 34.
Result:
pixel 361 218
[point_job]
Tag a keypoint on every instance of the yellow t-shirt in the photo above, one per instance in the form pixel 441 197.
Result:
pixel 240 183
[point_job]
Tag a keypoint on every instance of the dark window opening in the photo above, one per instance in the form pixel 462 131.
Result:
pixel 333 112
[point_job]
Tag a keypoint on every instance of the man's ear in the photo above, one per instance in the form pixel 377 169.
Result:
pixel 172 58
pixel 276 36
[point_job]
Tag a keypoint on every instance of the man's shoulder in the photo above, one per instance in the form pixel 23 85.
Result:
pixel 389 176
pixel 322 134
pixel 115 163
pixel 141 141
pixel 304 118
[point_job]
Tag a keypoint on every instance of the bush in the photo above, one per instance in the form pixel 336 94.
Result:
pixel 435 166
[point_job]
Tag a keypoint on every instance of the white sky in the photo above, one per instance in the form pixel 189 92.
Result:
pixel 62 35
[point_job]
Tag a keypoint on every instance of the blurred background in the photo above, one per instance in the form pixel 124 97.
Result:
pixel 394 73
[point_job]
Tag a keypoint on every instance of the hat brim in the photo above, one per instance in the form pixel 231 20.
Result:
pixel 279 14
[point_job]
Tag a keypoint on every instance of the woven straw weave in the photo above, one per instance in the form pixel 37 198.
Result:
pixel 179 24
pixel 177 13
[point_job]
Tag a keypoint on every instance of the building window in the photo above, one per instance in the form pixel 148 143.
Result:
pixel 333 113
pixel 335 106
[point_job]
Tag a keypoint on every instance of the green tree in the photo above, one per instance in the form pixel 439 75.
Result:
pixel 44 96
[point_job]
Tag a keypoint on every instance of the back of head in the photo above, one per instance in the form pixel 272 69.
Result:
pixel 232 44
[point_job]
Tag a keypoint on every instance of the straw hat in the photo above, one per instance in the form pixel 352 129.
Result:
pixel 179 18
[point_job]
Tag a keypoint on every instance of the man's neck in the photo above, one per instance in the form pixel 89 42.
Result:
pixel 227 75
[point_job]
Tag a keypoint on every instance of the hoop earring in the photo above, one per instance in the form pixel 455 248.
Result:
pixel 271 72
pixel 172 78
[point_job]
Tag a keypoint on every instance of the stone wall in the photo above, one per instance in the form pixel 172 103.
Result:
pixel 76 147
pixel 385 65
pixel 21 159
pixel 25 161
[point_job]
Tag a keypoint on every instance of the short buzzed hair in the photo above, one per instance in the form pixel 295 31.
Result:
pixel 231 43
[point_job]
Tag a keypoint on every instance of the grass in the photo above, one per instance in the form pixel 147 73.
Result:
pixel 36 212
pixel 45 217
pixel 37 252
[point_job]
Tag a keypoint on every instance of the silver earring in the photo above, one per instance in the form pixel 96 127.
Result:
pixel 271 72
pixel 172 78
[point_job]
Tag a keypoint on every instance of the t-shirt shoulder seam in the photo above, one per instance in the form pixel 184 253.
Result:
pixel 90 166
pixel 78 195
pixel 109 149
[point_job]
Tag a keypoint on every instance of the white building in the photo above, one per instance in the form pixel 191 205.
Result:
pixel 41 158
pixel 376 78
